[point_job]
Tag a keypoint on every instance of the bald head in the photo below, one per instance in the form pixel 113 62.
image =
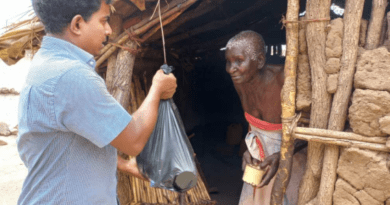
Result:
pixel 253 42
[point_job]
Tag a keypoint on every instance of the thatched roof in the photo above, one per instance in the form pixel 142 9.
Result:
pixel 199 24
pixel 191 27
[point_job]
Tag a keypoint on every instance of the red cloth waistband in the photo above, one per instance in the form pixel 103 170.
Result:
pixel 262 124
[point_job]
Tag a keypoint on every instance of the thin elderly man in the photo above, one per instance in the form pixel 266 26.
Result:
pixel 70 127
pixel 258 86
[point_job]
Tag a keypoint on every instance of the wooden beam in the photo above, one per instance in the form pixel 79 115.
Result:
pixel 321 99
pixel 288 104
pixel 344 143
pixel 339 135
pixel 352 20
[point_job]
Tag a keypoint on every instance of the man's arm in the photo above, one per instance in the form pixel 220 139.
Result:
pixel 134 137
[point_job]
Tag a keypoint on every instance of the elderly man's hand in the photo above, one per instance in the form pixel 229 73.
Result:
pixel 130 167
pixel 273 162
pixel 248 159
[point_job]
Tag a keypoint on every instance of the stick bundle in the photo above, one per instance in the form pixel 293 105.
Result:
pixel 141 28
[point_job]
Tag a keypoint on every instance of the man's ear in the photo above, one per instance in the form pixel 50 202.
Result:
pixel 75 24
pixel 261 60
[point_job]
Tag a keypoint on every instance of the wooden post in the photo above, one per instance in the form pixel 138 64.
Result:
pixel 124 69
pixel 338 115
pixel 288 104
pixel 321 99
pixel 375 24
pixel 116 25
pixel 120 90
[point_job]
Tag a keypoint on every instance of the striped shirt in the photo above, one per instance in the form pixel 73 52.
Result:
pixel 67 120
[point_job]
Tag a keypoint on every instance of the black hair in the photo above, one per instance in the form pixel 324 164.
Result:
pixel 57 14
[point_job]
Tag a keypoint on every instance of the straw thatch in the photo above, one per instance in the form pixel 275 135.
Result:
pixel 18 38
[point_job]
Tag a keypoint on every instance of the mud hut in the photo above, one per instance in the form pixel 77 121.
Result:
pixel 336 67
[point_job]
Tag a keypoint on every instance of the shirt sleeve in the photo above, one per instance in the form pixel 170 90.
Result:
pixel 84 106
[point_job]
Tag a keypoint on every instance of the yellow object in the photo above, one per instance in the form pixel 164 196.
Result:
pixel 253 175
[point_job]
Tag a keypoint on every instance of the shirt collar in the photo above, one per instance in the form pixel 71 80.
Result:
pixel 73 50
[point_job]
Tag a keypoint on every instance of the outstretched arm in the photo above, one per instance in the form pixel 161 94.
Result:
pixel 134 137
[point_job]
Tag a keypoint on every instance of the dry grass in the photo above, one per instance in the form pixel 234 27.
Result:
pixel 20 36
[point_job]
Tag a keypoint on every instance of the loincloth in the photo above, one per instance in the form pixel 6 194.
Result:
pixel 270 141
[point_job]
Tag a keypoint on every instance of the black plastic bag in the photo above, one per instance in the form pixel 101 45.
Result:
pixel 168 158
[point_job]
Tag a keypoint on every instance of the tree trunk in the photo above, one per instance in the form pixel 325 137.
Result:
pixel 375 25
pixel 116 25
pixel 124 71
pixel 316 38
pixel 120 90
pixel 338 114
pixel 288 104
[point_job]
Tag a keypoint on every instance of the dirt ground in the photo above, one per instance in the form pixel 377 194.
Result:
pixel 12 172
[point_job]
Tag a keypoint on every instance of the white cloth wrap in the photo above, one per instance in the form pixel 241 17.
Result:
pixel 271 141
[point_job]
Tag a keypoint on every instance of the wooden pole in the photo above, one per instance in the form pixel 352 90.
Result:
pixel 339 135
pixel 288 104
pixel 344 143
pixel 375 24
pixel 116 25
pixel 120 90
pixel 124 69
pixel 338 114
pixel 321 99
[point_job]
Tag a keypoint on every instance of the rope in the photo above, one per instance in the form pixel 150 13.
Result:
pixel 162 32
pixel 292 122
pixel 130 50
pixel 133 37
pixel 284 21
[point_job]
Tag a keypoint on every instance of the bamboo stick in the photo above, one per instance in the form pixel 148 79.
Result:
pixel 134 189
pixel 344 143
pixel 159 194
pixel 144 196
pixel 321 99
pixel 137 192
pixel 154 196
pixel 339 135
pixel 338 114
pixel 288 104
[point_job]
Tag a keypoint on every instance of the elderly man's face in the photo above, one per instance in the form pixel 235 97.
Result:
pixel 240 64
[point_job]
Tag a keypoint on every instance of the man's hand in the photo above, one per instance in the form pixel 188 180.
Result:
pixel 273 162
pixel 164 84
pixel 130 167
